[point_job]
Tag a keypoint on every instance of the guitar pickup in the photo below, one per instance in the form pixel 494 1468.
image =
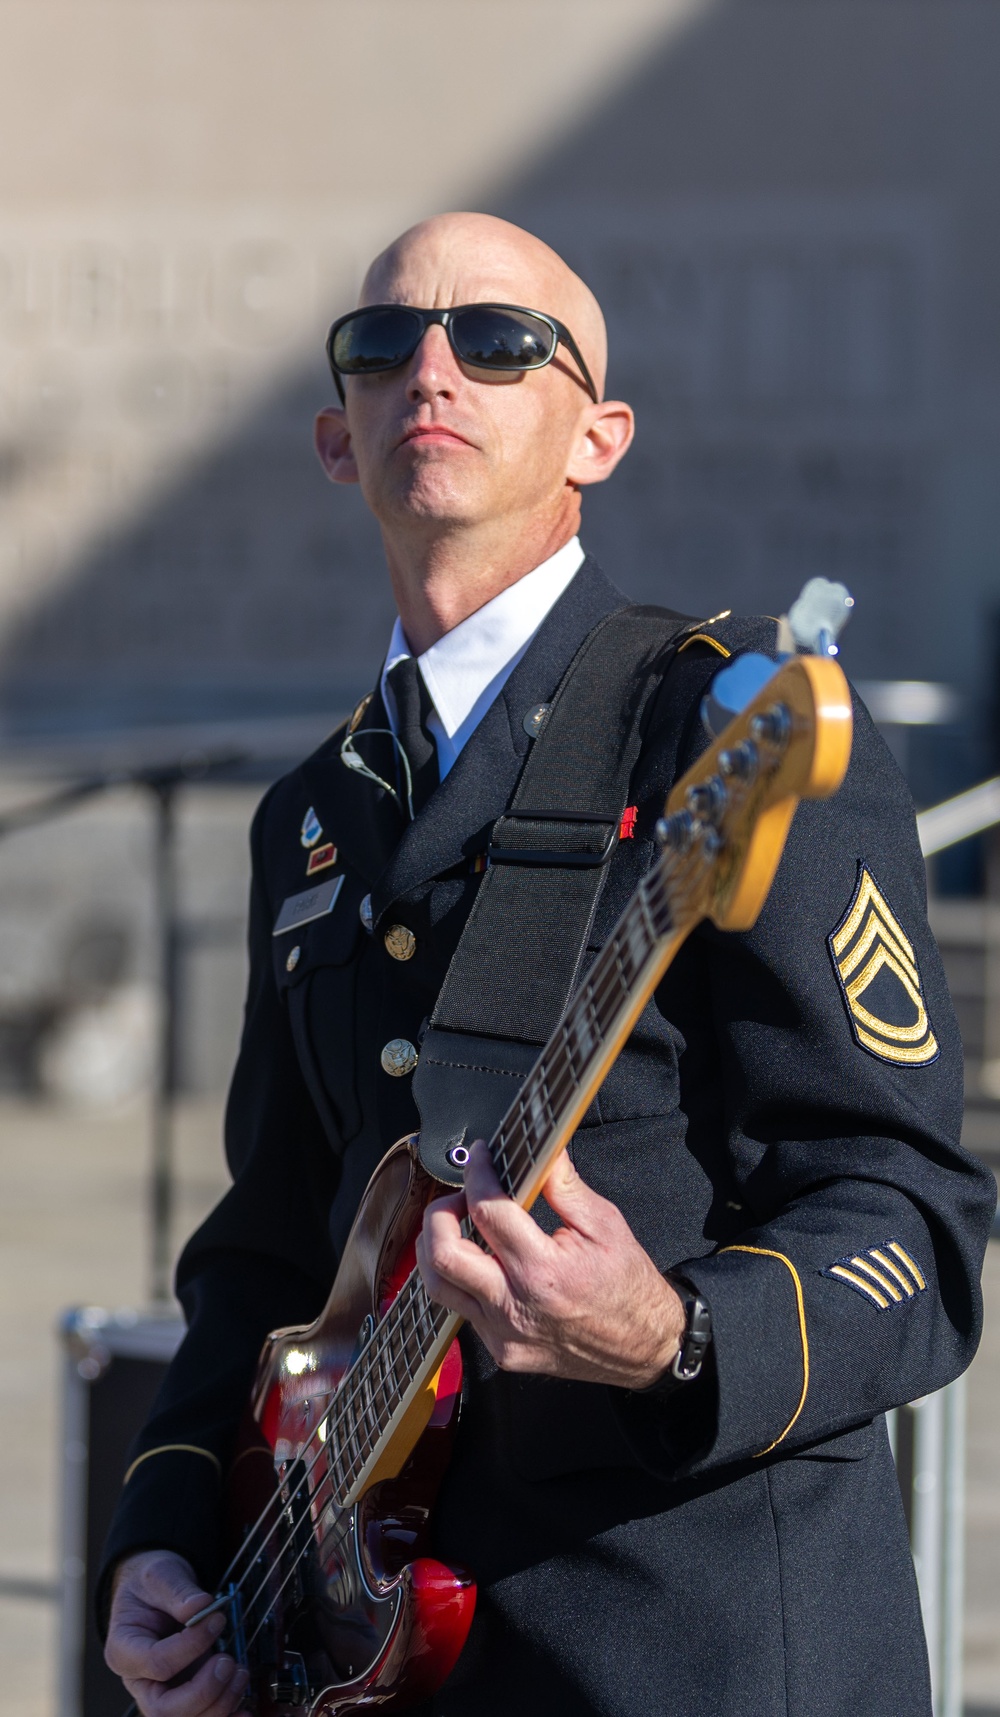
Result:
pixel 291 1684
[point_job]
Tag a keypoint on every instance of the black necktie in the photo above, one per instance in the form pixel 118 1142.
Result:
pixel 413 706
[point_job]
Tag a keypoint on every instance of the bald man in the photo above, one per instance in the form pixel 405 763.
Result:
pixel 765 1180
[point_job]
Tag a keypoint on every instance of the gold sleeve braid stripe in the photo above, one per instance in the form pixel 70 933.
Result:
pixel 870 948
pixel 800 1304
pixel 884 1275
pixel 174 1449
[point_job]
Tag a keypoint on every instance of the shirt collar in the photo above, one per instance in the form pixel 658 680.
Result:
pixel 476 656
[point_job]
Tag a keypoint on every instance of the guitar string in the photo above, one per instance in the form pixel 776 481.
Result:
pixel 283 1503
pixel 549 1083
pixel 548 1080
pixel 321 1544
pixel 591 998
pixel 342 1527
pixel 313 1542
pixel 274 1597
pixel 339 1530
pixel 601 984
pixel 279 1501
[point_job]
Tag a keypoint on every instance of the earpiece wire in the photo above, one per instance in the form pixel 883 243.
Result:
pixel 360 767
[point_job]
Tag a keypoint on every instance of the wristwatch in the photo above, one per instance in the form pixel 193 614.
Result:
pixel 695 1340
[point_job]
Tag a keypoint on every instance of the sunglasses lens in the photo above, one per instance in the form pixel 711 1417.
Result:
pixel 501 339
pixel 376 340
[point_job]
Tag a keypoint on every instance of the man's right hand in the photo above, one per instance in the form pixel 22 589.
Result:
pixel 155 1593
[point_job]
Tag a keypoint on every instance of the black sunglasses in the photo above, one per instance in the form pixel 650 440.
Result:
pixel 486 336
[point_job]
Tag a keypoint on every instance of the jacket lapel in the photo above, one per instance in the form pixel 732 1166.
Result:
pixel 456 820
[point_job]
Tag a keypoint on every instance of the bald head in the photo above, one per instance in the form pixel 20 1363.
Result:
pixel 469 258
pixel 474 472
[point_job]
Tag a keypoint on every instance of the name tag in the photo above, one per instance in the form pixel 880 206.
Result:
pixel 312 903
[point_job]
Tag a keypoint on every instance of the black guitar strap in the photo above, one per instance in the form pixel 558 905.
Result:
pixel 519 956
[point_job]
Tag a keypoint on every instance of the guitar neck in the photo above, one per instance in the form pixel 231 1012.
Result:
pixel 406 1351
pixel 571 1068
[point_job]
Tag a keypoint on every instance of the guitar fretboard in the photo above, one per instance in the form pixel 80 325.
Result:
pixel 565 1063
pixel 406 1339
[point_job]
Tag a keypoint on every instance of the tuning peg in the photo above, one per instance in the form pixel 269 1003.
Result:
pixel 707 800
pixel 818 615
pixel 772 726
pixel 676 832
pixel 742 761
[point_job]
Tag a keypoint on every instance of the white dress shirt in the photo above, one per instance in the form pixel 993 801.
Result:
pixel 466 669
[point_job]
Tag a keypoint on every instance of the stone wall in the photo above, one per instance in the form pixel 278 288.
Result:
pixel 788 208
pixel 786 205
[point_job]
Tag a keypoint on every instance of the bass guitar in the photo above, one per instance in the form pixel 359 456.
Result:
pixel 332 1602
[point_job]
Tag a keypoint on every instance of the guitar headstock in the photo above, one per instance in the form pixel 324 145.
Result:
pixel 727 819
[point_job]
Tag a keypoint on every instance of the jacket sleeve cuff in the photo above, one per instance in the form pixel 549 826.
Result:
pixel 760 1344
pixel 171 1500
pixel 754 1382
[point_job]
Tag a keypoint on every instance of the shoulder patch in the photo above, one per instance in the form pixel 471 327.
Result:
pixel 885 1275
pixel 876 969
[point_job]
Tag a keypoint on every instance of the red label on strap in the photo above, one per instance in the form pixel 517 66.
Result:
pixel 629 819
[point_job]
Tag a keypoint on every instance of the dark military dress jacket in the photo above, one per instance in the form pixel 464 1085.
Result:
pixel 785 1137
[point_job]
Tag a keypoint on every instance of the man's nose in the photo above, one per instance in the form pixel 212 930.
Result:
pixel 433 368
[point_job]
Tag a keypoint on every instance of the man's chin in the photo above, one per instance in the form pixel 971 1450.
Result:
pixel 427 499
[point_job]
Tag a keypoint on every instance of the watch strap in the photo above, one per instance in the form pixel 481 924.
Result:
pixel 696 1339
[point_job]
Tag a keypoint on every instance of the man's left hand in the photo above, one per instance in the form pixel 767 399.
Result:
pixel 585 1302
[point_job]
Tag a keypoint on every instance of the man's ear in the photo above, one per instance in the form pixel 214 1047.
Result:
pixel 332 440
pixel 605 438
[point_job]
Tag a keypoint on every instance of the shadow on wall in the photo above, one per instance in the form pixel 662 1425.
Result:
pixel 246 591
pixel 782 215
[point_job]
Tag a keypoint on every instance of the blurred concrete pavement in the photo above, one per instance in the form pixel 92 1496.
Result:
pixel 72 1232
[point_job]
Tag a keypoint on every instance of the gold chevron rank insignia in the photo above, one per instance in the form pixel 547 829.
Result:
pixel 884 1275
pixel 877 972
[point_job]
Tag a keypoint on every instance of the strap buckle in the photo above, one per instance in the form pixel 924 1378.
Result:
pixel 574 858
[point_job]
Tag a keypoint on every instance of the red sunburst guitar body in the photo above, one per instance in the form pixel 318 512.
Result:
pixel 350 1610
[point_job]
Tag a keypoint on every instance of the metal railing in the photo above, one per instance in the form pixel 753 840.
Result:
pixel 959 818
pixel 928 1445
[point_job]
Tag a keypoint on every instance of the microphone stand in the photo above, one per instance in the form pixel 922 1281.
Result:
pixel 162 782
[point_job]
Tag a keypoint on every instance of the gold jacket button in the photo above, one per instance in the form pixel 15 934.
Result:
pixel 293 960
pixel 399 1057
pixel 401 943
